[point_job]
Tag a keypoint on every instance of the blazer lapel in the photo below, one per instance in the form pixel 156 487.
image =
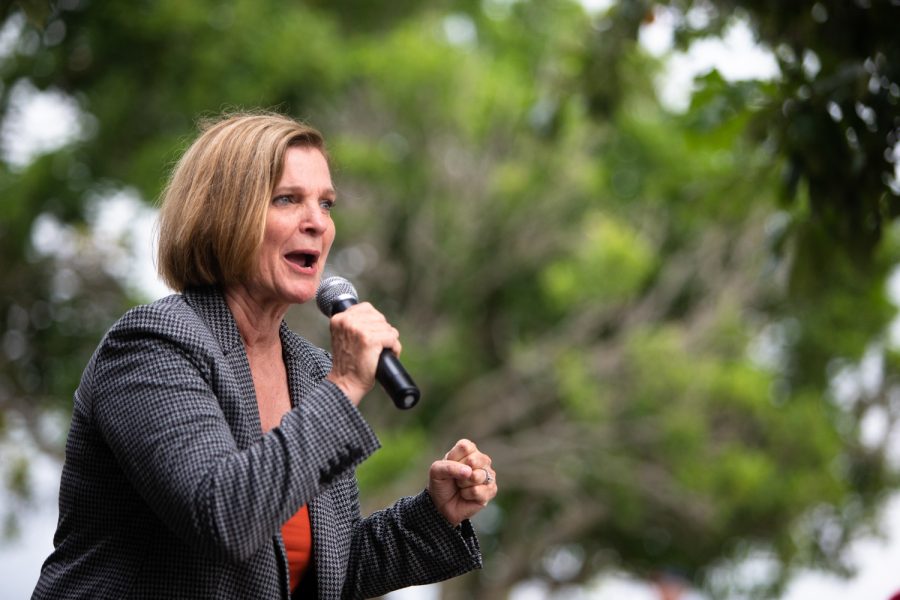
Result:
pixel 305 369
pixel 304 373
pixel 209 304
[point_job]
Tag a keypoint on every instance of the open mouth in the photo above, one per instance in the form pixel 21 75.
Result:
pixel 306 260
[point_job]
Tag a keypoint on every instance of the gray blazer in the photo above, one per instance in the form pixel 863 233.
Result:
pixel 171 490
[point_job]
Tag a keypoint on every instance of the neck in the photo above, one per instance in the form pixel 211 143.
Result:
pixel 258 321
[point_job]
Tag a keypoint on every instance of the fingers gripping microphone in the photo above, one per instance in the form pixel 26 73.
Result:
pixel 335 295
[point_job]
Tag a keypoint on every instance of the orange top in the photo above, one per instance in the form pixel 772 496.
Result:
pixel 297 536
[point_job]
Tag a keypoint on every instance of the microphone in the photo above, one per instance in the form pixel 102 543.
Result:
pixel 335 295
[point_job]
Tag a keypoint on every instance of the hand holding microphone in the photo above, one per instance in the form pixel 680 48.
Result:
pixel 357 338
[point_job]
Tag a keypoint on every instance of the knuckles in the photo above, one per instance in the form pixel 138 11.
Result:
pixel 467 446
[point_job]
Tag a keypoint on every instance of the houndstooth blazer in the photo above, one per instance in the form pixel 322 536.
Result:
pixel 171 490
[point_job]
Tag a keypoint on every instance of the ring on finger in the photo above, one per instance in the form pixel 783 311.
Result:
pixel 487 475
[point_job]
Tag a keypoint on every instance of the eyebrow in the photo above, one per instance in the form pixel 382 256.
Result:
pixel 302 191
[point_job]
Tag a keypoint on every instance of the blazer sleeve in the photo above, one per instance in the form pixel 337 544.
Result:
pixel 153 401
pixel 410 543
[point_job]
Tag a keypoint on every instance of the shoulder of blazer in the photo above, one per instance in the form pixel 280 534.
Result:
pixel 175 321
pixel 173 317
pixel 170 320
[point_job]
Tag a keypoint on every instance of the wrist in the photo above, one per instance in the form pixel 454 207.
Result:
pixel 353 392
pixel 442 508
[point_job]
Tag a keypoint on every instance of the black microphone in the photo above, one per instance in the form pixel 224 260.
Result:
pixel 335 295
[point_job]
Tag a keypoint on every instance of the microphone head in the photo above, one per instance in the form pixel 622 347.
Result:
pixel 332 289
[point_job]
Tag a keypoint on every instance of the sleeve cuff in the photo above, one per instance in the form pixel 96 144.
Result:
pixel 462 535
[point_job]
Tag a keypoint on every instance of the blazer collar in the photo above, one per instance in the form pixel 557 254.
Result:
pixel 209 303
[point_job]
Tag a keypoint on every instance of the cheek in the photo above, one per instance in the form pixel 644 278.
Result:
pixel 276 234
pixel 329 238
pixel 269 254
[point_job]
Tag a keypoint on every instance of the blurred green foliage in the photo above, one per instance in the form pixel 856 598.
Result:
pixel 654 321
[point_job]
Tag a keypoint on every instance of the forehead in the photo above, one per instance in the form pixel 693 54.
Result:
pixel 305 167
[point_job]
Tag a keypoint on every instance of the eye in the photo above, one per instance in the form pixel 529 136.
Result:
pixel 327 204
pixel 282 200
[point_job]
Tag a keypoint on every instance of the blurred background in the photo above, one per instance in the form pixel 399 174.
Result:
pixel 643 252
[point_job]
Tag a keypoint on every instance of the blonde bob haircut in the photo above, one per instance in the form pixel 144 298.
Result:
pixel 213 209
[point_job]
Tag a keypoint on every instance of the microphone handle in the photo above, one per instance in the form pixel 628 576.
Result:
pixel 396 381
pixel 390 373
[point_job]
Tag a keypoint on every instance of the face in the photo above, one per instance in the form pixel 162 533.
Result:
pixel 299 230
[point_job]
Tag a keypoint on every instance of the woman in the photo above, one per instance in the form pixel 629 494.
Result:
pixel 212 451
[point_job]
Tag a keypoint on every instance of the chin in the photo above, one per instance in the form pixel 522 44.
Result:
pixel 302 295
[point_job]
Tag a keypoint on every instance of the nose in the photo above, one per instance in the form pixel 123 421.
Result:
pixel 314 219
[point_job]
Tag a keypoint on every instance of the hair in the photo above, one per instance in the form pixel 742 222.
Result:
pixel 213 208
